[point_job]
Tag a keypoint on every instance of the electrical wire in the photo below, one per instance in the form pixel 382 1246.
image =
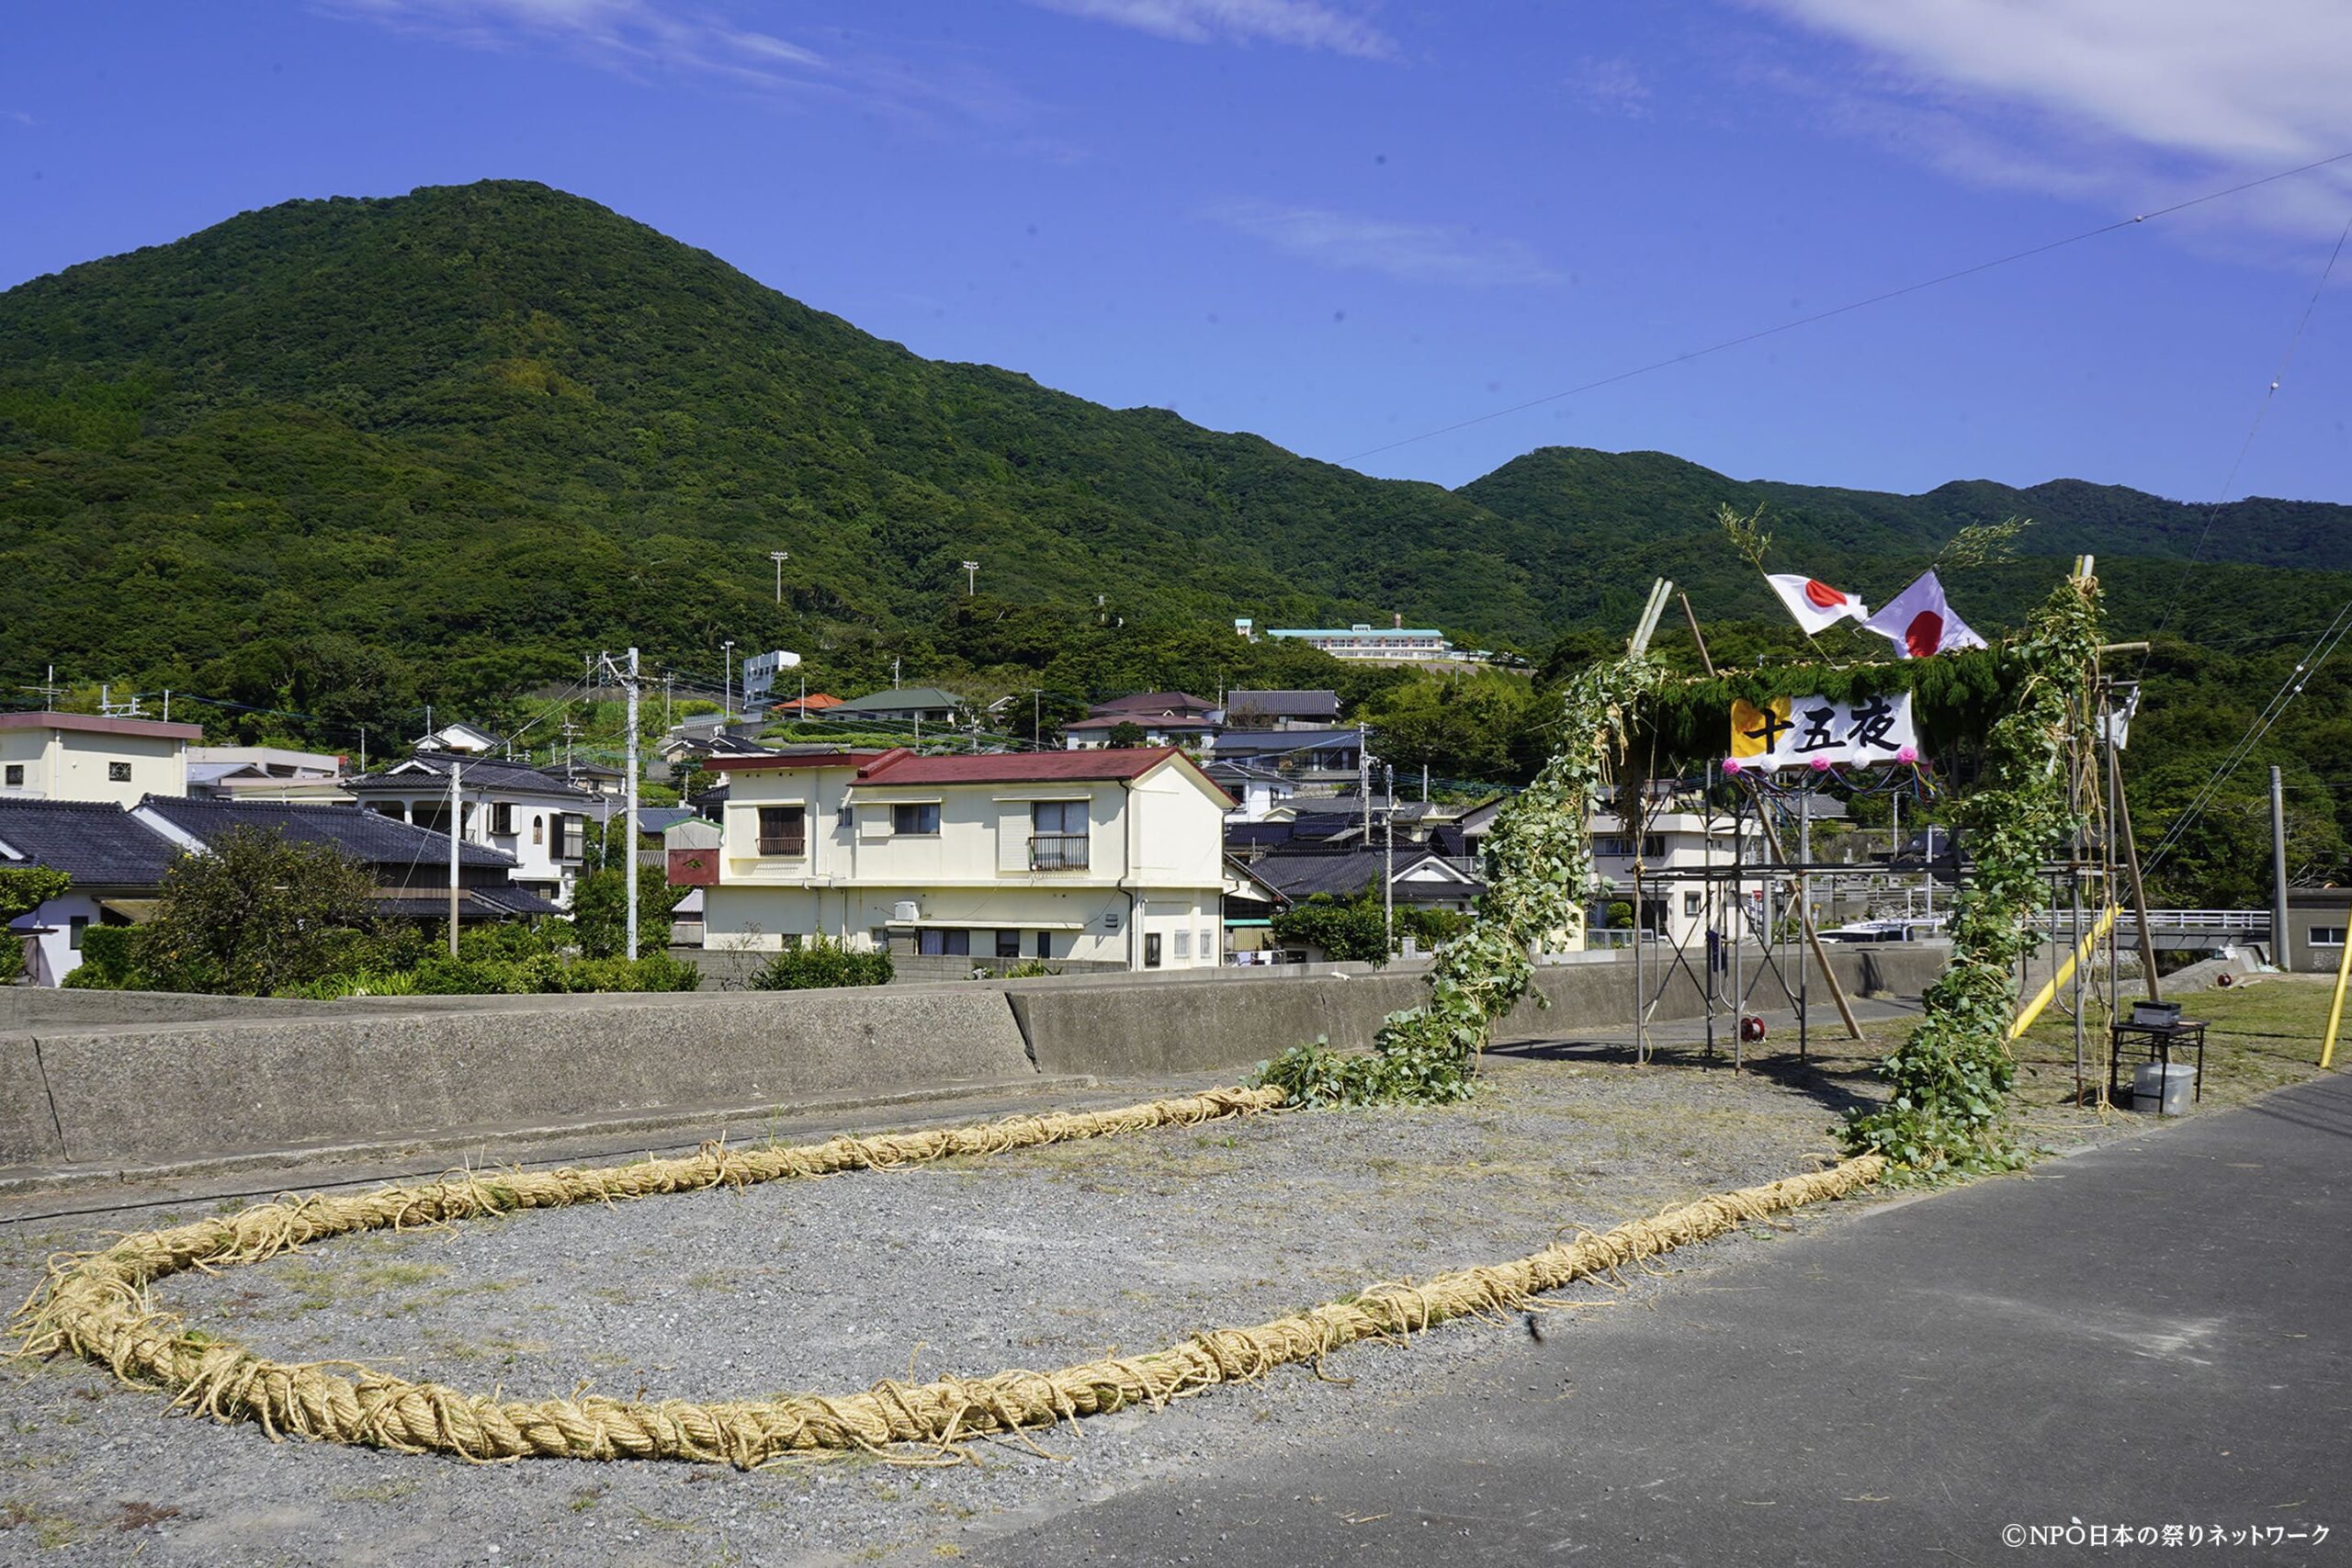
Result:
pixel 1851 306
pixel 2262 411
pixel 2289 690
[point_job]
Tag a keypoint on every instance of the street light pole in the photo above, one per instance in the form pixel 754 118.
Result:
pixel 972 577
pixel 779 556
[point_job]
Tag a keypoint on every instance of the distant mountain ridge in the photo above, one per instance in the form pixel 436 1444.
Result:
pixel 480 427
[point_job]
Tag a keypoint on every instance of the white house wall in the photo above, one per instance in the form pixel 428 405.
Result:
pixel 974 874
pixel 71 764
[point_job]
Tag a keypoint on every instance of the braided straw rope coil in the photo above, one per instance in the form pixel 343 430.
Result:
pixel 94 1305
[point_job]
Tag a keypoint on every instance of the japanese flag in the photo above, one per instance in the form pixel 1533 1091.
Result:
pixel 1920 624
pixel 1813 602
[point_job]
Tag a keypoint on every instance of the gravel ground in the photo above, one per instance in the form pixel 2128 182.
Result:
pixel 1033 1259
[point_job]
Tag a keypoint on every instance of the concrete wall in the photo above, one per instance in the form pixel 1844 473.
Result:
pixel 124 1078
pixel 181 1092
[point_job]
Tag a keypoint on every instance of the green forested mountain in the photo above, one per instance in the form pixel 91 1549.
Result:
pixel 345 457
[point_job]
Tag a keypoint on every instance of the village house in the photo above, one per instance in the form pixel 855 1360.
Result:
pixel 1108 857
pixel 265 773
pixel 1164 718
pixel 538 820
pixel 117 859
pixel 80 756
pixel 1282 710
pixel 911 704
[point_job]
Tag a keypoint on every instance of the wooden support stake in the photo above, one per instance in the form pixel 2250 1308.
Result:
pixel 1804 916
pixel 2132 864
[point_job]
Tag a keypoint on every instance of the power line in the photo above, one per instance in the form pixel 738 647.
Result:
pixel 2261 411
pixel 2289 690
pixel 1880 298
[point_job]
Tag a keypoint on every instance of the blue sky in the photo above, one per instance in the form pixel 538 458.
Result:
pixel 1343 223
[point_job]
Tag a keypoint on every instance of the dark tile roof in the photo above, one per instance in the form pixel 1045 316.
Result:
pixel 1283 705
pixel 477 773
pixel 499 903
pixel 1267 743
pixel 1156 702
pixel 367 837
pixel 1302 874
pixel 96 843
pixel 895 700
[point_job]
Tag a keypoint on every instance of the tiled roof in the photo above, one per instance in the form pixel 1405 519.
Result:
pixel 1264 742
pixel 1302 875
pixel 94 842
pixel 896 699
pixel 1143 719
pixel 367 837
pixel 1026 767
pixel 1156 702
pixel 501 902
pixel 477 773
pixel 1283 705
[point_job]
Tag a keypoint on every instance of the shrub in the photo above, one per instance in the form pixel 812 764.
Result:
pixel 820 963
pixel 109 961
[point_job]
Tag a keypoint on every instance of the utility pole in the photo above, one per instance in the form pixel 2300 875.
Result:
pixel 666 678
pixel 726 696
pixel 569 729
pixel 629 833
pixel 1388 867
pixel 457 830
pixel 1036 721
pixel 894 671
pixel 2279 954
pixel 779 556
pixel 630 687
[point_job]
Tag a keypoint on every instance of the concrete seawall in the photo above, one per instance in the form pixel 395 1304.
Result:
pixel 125 1079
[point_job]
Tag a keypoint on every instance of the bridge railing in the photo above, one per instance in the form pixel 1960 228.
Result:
pixel 2220 922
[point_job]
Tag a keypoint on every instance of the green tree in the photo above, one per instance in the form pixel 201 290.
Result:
pixel 600 899
pixel 1127 732
pixel 1346 929
pixel 253 914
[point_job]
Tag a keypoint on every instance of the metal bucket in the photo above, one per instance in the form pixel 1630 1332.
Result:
pixel 2165 1088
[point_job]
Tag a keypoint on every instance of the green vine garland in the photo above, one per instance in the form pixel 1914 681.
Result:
pixel 1539 875
pixel 1951 1078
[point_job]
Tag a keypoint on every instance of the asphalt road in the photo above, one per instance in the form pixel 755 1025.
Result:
pixel 2155 1332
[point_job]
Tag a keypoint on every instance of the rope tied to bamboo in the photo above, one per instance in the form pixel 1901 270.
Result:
pixel 95 1305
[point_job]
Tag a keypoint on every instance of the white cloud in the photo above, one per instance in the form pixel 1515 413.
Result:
pixel 1413 252
pixel 643 39
pixel 19 115
pixel 1610 86
pixel 1303 24
pixel 628 34
pixel 2104 95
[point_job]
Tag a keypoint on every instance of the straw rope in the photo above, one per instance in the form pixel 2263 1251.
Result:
pixel 94 1305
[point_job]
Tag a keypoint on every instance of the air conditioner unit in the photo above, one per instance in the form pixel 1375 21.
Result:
pixel 906 911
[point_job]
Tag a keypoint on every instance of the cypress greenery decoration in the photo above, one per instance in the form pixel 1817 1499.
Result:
pixel 1951 1078
pixel 1539 876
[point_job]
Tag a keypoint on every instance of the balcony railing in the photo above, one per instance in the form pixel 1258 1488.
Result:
pixel 1058 851
pixel 791 847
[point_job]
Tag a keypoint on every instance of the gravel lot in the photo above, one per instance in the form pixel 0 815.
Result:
pixel 1033 1260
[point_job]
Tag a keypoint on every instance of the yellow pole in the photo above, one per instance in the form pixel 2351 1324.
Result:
pixel 2335 1009
pixel 2041 997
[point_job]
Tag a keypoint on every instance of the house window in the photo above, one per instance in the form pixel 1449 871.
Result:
pixel 538 829
pixel 1058 836
pixel 1045 944
pixel 2326 936
pixel 1184 944
pixel 944 945
pixel 574 833
pixel 15 776
pixel 1151 950
pixel 501 818
pixel 783 831
pixel 118 772
pixel 1208 941
pixel 1653 846
pixel 1008 944
pixel 74 930
pixel 919 818
pixel 1692 903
